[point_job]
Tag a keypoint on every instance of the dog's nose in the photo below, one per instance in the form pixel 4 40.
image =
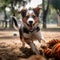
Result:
pixel 30 22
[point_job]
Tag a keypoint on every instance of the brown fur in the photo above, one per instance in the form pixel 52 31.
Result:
pixel 56 50
pixel 51 43
pixel 25 16
pixel 48 52
pixel 53 49
pixel 35 57
pixel 25 19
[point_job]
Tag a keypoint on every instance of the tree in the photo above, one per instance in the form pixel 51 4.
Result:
pixel 45 11
pixel 2 7
pixel 6 3
pixel 56 5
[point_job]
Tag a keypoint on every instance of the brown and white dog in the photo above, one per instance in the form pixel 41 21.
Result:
pixel 30 29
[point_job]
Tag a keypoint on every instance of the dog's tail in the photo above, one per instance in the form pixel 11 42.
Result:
pixel 15 25
pixel 15 21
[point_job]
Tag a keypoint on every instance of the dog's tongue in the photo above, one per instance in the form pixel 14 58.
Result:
pixel 31 26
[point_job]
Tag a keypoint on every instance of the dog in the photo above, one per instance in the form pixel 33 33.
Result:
pixel 29 29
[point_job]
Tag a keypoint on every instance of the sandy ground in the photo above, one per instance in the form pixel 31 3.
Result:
pixel 10 44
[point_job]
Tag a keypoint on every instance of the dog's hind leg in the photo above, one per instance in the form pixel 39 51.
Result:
pixel 22 38
pixel 32 45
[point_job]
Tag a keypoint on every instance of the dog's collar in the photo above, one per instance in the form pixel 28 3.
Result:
pixel 25 30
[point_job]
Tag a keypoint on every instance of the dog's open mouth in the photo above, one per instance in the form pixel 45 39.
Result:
pixel 30 26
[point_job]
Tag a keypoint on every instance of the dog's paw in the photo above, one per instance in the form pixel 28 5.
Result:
pixel 44 46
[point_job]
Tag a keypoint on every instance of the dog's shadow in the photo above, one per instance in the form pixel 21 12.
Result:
pixel 28 52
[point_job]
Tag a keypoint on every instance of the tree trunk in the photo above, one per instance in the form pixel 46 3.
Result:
pixel 58 20
pixel 5 18
pixel 45 12
pixel 58 12
pixel 13 13
pixel 44 20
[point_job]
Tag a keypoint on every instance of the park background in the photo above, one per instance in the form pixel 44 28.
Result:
pixel 9 37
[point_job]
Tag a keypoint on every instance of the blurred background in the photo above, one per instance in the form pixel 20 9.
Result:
pixel 49 12
pixel 10 42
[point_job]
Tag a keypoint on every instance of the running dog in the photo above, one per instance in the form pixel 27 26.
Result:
pixel 29 29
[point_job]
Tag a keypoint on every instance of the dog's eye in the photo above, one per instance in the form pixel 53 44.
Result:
pixel 33 16
pixel 27 16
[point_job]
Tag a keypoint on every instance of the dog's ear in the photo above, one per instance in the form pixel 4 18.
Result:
pixel 36 11
pixel 23 12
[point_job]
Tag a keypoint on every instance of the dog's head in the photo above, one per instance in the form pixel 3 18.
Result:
pixel 30 17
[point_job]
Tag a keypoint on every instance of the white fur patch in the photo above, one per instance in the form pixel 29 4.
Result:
pixel 30 19
pixel 26 35
pixel 30 12
pixel 39 36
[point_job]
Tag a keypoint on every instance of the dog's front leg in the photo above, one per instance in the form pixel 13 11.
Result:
pixel 23 43
pixel 41 39
pixel 43 43
pixel 32 45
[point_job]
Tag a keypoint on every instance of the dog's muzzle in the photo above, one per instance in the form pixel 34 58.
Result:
pixel 30 21
pixel 30 24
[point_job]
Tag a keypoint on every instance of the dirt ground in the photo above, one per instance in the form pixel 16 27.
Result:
pixel 10 44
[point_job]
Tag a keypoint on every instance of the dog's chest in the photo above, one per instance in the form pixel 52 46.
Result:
pixel 34 35
pixel 26 35
pixel 29 36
